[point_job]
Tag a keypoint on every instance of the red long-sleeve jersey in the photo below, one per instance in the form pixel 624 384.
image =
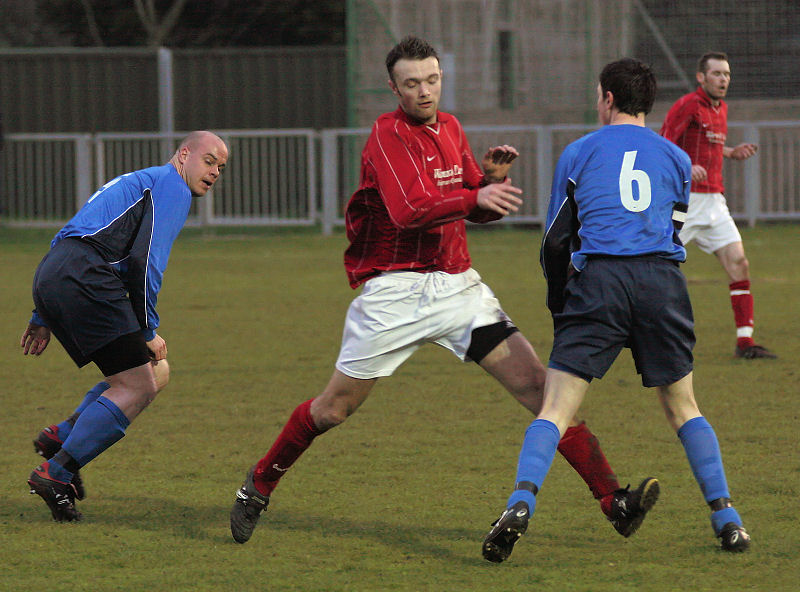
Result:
pixel 700 129
pixel 418 184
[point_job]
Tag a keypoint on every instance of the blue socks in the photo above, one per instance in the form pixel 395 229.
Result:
pixel 702 449
pixel 57 472
pixel 535 458
pixel 721 517
pixel 92 395
pixel 99 425
pixel 65 427
pixel 698 439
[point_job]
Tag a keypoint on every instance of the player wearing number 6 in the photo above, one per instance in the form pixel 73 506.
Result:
pixel 610 255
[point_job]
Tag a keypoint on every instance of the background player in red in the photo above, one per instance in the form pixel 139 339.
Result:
pixel 698 123
pixel 408 248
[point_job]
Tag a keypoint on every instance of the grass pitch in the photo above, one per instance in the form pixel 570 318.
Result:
pixel 401 495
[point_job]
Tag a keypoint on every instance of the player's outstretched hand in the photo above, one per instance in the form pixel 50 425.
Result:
pixel 502 198
pixel 157 347
pixel 743 151
pixel 34 340
pixel 497 161
pixel 699 173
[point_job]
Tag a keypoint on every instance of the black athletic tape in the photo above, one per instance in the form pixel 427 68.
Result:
pixel 527 486
pixel 720 504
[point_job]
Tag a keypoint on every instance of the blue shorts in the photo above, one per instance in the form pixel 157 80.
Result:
pixel 84 301
pixel 636 302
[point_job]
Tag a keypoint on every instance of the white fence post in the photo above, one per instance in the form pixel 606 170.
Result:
pixel 544 169
pixel 205 209
pixel 83 170
pixel 752 178
pixel 166 114
pixel 330 180
pixel 311 163
pixel 99 162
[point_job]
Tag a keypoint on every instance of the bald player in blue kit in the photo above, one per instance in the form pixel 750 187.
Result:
pixel 611 257
pixel 96 291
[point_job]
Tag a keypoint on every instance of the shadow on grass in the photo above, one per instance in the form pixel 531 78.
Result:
pixel 202 523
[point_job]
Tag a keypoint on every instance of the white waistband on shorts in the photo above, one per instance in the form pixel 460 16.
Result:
pixel 439 281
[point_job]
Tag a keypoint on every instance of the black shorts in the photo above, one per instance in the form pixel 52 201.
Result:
pixel 85 303
pixel 636 302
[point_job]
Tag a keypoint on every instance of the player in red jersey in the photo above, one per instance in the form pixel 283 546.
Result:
pixel 408 248
pixel 698 123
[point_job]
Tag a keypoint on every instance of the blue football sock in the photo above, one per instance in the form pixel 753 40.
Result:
pixel 702 449
pixel 65 427
pixel 100 425
pixel 91 396
pixel 535 458
pixel 721 517
pixel 58 472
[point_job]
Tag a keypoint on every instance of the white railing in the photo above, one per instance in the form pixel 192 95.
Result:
pixel 305 177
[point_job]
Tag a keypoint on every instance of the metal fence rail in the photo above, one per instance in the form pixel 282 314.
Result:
pixel 305 177
pixel 273 175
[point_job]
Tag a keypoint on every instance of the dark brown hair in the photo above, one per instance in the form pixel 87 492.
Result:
pixel 410 48
pixel 632 83
pixel 702 63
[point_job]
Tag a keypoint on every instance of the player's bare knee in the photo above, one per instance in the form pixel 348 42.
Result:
pixel 513 362
pixel 526 383
pixel 329 418
pixel 134 398
pixel 530 397
pixel 332 419
pixel 148 394
pixel 533 382
pixel 148 389
pixel 743 266
pixel 161 374
pixel 328 413
pixel 340 399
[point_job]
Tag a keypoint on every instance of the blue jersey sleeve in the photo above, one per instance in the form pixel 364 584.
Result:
pixel 171 200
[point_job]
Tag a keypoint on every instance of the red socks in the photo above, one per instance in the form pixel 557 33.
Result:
pixel 578 445
pixel 296 437
pixel 582 450
pixel 742 304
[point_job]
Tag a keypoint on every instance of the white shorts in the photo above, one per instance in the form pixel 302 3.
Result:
pixel 709 223
pixel 399 311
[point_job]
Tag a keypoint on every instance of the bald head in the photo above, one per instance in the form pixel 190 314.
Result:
pixel 200 160
pixel 198 137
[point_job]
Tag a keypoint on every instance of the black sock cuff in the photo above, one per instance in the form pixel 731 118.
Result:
pixel 527 486
pixel 720 504
pixel 63 458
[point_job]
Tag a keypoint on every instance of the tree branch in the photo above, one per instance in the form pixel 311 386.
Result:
pixel 94 31
pixel 169 21
pixel 143 17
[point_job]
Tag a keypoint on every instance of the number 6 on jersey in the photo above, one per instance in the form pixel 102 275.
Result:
pixel 627 176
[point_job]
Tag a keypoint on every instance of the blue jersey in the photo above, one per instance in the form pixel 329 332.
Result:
pixel 614 192
pixel 132 221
